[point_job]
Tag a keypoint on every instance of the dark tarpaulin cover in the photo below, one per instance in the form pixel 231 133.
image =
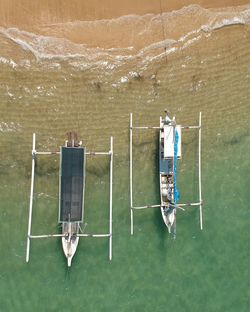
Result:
pixel 72 184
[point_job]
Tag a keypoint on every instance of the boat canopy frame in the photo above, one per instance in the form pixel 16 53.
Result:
pixel 109 235
pixel 181 205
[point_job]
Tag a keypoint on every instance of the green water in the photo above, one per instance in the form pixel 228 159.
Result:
pixel 199 271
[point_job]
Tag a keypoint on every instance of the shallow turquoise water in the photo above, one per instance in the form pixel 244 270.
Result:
pixel 201 270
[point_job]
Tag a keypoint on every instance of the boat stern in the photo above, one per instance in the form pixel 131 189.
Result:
pixel 70 240
pixel 69 245
pixel 69 259
pixel 168 217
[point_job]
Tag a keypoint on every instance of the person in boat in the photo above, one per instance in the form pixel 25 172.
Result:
pixel 167 118
pixel 168 209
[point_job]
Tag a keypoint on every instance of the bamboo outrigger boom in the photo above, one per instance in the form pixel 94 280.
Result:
pixel 170 126
pixel 63 235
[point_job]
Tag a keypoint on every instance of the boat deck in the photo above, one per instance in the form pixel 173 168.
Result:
pixel 165 166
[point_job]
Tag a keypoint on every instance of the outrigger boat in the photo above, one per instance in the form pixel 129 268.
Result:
pixel 169 153
pixel 71 195
pixel 72 187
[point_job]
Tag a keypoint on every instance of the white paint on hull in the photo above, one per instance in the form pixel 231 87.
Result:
pixel 168 219
pixel 69 247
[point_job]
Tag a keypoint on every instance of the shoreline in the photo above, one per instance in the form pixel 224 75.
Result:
pixel 14 13
pixel 123 35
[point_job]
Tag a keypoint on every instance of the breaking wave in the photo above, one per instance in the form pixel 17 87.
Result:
pixel 110 44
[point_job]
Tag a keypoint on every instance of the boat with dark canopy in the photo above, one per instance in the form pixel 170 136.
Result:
pixel 71 195
pixel 169 154
pixel 72 187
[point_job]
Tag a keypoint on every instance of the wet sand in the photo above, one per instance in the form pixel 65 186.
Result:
pixel 113 24
pixel 31 13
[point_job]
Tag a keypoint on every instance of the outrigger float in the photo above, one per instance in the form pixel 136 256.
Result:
pixel 71 195
pixel 169 153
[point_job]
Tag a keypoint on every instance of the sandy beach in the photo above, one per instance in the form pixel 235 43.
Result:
pixel 31 13
pixel 114 24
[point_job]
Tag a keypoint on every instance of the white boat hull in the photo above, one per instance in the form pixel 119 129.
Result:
pixel 169 218
pixel 69 248
pixel 70 241
pixel 166 153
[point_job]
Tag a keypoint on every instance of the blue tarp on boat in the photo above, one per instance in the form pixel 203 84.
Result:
pixel 176 192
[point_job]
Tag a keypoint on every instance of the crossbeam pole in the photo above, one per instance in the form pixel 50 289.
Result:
pixel 64 235
pixel 87 153
pixel 190 204
pixel 190 127
pixel 48 153
pixel 47 236
pixel 31 195
pixel 145 128
pixel 92 235
pixel 145 207
pixel 97 153
pixel 200 196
